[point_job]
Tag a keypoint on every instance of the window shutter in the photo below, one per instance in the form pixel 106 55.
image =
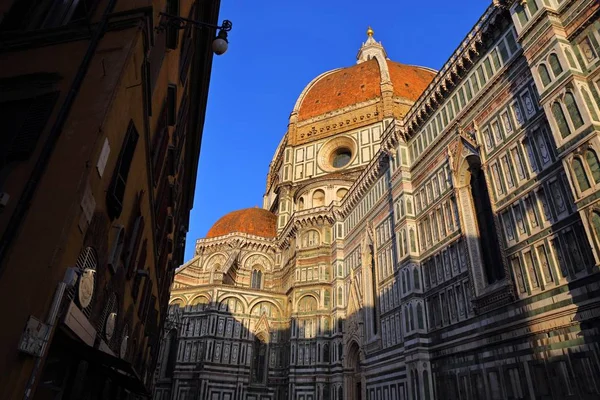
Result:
pixel 148 303
pixel 134 245
pixel 161 142
pixel 137 280
pixel 143 310
pixel 162 209
pixel 116 190
pixel 117 248
pixel 34 113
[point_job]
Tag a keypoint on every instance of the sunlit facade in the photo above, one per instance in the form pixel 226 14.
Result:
pixel 424 234
pixel 102 109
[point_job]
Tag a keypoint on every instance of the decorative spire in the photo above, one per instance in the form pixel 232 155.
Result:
pixel 370 48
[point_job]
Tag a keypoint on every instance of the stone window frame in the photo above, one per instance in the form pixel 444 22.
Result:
pixel 559 99
pixel 581 154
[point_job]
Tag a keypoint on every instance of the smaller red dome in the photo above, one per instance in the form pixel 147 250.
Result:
pixel 253 221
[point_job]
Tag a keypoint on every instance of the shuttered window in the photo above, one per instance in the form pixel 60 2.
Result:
pixel 160 143
pixel 137 280
pixel 143 308
pixel 116 190
pixel 135 239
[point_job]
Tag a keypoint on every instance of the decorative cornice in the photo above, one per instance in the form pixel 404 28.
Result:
pixel 447 77
pixel 234 240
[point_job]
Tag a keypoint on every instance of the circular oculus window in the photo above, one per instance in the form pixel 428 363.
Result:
pixel 341 157
pixel 336 154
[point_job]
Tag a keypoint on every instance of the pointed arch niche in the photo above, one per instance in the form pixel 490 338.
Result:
pixel 477 220
pixel 354 387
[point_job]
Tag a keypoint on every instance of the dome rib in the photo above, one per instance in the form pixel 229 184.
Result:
pixel 344 87
pixel 252 221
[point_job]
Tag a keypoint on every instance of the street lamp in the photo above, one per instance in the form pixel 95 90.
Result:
pixel 220 42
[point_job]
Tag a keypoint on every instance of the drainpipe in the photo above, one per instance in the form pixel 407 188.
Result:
pixel 69 280
pixel 42 162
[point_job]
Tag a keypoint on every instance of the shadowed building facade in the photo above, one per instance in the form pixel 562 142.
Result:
pixel 424 235
pixel 101 118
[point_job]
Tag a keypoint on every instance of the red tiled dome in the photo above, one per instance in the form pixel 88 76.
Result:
pixel 361 82
pixel 253 221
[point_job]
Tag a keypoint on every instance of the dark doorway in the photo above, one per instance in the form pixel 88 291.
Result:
pixel 354 384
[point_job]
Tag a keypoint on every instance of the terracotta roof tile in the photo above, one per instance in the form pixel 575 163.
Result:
pixel 409 81
pixel 341 89
pixel 253 221
pixel 361 82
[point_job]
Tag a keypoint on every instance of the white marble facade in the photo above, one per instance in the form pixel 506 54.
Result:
pixel 446 248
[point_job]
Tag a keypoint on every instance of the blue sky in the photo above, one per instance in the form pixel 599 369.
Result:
pixel 276 48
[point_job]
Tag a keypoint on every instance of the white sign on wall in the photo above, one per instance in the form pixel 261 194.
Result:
pixel 103 157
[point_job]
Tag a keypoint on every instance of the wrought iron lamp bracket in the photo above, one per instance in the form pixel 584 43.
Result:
pixel 175 21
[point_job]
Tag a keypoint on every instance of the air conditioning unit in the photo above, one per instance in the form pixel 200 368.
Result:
pixel 4 197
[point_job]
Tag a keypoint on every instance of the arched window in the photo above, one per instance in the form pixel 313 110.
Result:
pixel 307 304
pixel 561 120
pixel 596 224
pixel 340 296
pixel 544 75
pixel 341 193
pixel 301 203
pixel 311 238
pixel 327 297
pixel 406 325
pixel 573 111
pixel 318 198
pixel 426 385
pixel 555 65
pixel 420 316
pixel 582 180
pixel 590 105
pixel 199 303
pixel 256 282
pixel 523 17
pixel 411 234
pixel 416 279
pixel 326 353
pixel 592 159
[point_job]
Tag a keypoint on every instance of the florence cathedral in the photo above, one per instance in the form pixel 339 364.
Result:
pixel 423 235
